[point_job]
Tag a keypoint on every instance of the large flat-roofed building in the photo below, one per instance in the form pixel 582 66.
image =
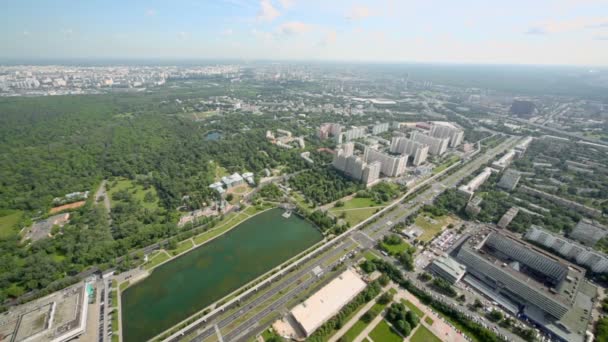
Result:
pixel 448 268
pixel 535 283
pixel 581 255
pixel 392 166
pixel 588 232
pixel 444 129
pixel 437 146
pixel 418 151
pixel 328 301
pixel 509 180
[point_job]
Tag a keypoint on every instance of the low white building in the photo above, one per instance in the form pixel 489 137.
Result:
pixel 233 180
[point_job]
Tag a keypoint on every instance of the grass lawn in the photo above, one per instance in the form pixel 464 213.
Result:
pixel 136 190
pixel 240 190
pixel 431 226
pixel 429 320
pixel 357 215
pixel 124 285
pixel 182 247
pixel 156 260
pixel 230 221
pixel 359 326
pixel 8 218
pixel 412 307
pixel 366 340
pixel 369 255
pixel 383 332
pixel 396 249
pixel 393 291
pixel 423 334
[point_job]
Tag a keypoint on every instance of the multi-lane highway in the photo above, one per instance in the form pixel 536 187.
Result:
pixel 365 238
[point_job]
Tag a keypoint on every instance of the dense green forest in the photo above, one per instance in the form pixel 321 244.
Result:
pixel 51 146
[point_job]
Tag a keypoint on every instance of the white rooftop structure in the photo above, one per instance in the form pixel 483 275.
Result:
pixel 328 301
pixel 232 180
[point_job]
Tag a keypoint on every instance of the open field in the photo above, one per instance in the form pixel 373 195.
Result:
pixel 423 334
pixel 355 216
pixel 136 190
pixel 385 333
pixel 356 203
pixel 8 219
pixel 431 226
pixel 219 171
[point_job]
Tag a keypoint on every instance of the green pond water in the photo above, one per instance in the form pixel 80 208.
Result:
pixel 187 284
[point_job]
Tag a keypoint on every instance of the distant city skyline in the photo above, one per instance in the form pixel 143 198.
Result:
pixel 552 32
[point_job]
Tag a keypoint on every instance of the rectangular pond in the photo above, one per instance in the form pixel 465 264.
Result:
pixel 186 285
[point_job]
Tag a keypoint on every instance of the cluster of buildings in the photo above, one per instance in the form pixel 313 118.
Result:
pixel 71 197
pixel 60 80
pixel 404 146
pixel 284 139
pixel 232 181
pixel 354 166
pixel 525 280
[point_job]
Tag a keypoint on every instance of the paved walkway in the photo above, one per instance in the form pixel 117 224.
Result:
pixel 353 320
pixel 441 329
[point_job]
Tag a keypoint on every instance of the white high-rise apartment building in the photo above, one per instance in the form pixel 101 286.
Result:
pixel 443 129
pixel 437 146
pixel 354 133
pixel 391 166
pixel 405 146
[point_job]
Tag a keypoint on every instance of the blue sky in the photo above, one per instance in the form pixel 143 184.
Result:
pixel 456 31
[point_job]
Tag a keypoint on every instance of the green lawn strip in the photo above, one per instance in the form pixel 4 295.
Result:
pixel 423 334
pixel 369 255
pixel 359 326
pixel 124 285
pixel 429 320
pixel 115 321
pixel 8 221
pixel 366 340
pixel 225 225
pixel 115 338
pixel 445 165
pixel 114 296
pixel 159 258
pixel 393 291
pixel 412 307
pixel 385 333
pixel 182 247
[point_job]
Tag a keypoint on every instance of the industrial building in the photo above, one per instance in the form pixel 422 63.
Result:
pixel 327 302
pixel 418 151
pixel 582 255
pixel 530 282
pixel 391 166
pixel 508 217
pixel 509 180
pixel 520 149
pixel 588 232
pixel 437 146
pixel 444 129
pixel 448 269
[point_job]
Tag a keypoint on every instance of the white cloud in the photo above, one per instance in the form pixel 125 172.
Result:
pixel 150 12
pixel 568 25
pixel 359 12
pixel 294 28
pixel 183 35
pixel 330 38
pixel 26 33
pixel 267 11
pixel 227 32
